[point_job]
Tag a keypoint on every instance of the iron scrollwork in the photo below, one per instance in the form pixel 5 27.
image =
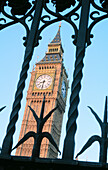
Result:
pixel 25 9
pixel 97 16
pixel 31 40
pixel 58 17
pixel 17 13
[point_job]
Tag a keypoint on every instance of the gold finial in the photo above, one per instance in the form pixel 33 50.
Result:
pixel 60 24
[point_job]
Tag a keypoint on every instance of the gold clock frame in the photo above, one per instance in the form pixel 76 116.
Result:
pixel 51 73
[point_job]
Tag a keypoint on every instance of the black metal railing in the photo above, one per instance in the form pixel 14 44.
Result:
pixel 103 140
pixel 39 135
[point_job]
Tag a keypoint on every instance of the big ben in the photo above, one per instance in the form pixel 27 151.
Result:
pixel 48 78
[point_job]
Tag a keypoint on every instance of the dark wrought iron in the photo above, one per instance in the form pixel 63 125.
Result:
pixel 19 7
pixel 31 40
pixel 2 108
pixel 76 85
pixel 6 149
pixel 82 38
pixel 104 3
pixel 61 5
pixel 103 140
pixel 82 41
pixel 39 135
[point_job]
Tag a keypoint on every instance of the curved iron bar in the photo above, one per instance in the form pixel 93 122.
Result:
pixel 30 11
pixel 22 21
pixel 5 13
pixel 2 26
pixel 59 17
pixel 2 19
pixel 98 7
pixel 103 140
pixel 16 19
pixel 77 16
pixel 13 17
pixel 66 17
pixel 43 18
pixel 69 14
pixel 94 12
pixel 95 19
pixel 2 108
pixel 90 141
pixel 92 25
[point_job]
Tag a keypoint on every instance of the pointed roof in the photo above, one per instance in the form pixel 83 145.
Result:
pixel 57 38
pixel 55 50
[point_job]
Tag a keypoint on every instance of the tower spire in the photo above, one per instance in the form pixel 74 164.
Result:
pixel 55 49
pixel 57 38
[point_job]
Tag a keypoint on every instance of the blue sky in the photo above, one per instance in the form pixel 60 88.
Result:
pixel 94 82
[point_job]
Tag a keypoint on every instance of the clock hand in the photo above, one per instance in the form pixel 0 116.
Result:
pixel 43 84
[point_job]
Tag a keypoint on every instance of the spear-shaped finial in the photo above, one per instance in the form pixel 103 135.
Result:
pixel 42 109
pixel 2 108
pixel 39 135
pixel 103 140
pixel 105 112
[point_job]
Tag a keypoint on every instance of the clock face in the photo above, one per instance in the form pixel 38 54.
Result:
pixel 43 81
pixel 63 89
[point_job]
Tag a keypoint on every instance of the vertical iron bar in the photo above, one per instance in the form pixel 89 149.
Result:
pixel 32 37
pixel 69 143
pixel 103 143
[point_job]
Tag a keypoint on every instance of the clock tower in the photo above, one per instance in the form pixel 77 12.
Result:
pixel 48 78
